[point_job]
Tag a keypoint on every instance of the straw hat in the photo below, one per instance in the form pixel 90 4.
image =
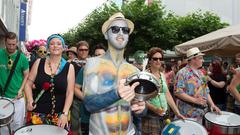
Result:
pixel 193 52
pixel 72 49
pixel 117 16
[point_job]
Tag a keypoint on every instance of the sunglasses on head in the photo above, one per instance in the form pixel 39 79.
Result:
pixel 82 49
pixel 116 29
pixel 10 62
pixel 155 59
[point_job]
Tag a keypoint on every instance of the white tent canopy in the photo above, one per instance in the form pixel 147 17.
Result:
pixel 223 42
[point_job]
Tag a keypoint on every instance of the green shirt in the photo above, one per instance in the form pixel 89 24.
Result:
pixel 17 78
pixel 85 115
pixel 160 100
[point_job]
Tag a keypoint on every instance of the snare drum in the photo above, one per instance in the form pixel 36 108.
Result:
pixel 224 124
pixel 148 87
pixel 41 130
pixel 6 111
pixel 187 127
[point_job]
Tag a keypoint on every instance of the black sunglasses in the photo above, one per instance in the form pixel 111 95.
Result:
pixel 116 29
pixel 155 59
pixel 82 49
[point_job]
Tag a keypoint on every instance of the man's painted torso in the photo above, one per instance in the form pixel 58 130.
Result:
pixel 101 75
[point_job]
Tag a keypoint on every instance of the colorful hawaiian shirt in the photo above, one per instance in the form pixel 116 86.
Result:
pixel 193 83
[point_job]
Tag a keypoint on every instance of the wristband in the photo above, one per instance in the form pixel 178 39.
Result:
pixel 64 113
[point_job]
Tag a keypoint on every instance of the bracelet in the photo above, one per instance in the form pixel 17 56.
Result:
pixel 64 113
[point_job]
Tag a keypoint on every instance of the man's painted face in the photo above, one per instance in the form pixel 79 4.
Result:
pixel 117 34
pixel 42 51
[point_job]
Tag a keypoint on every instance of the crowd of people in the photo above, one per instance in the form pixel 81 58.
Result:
pixel 89 95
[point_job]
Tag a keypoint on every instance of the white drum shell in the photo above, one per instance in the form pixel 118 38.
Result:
pixel 228 123
pixel 41 130
pixel 189 127
pixel 6 114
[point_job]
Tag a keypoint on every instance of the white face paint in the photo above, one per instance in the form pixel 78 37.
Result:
pixel 117 40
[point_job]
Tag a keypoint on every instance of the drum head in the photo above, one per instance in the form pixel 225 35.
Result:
pixel 6 111
pixel 189 127
pixel 148 87
pixel 145 86
pixel 226 119
pixel 41 130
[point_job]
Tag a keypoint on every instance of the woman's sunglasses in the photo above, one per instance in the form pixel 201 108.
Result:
pixel 116 29
pixel 156 59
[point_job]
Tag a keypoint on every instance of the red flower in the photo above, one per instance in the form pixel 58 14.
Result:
pixel 46 86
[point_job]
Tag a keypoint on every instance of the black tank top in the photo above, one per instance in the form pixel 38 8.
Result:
pixel 44 104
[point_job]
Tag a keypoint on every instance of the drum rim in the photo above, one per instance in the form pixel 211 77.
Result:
pixel 217 123
pixel 142 72
pixel 12 104
pixel 38 125
pixel 6 99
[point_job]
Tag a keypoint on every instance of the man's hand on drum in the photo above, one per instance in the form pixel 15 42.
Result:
pixel 126 92
pixel 215 109
pixel 137 106
pixel 63 121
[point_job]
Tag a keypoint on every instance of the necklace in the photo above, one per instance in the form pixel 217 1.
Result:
pixel 159 97
pixel 160 78
pixel 52 84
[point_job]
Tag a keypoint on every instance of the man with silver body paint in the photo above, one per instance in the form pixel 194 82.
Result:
pixel 106 94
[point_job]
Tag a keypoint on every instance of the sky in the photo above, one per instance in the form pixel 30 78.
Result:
pixel 58 16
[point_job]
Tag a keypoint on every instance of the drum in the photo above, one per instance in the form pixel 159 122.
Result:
pixel 41 130
pixel 225 124
pixel 6 111
pixel 149 85
pixel 186 127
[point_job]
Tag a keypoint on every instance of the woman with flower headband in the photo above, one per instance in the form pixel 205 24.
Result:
pixel 158 106
pixel 54 79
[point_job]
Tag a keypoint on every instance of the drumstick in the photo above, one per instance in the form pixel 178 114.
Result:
pixel 10 102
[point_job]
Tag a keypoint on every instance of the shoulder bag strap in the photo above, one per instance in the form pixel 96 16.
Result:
pixel 11 73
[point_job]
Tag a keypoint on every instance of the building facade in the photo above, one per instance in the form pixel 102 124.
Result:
pixel 10 17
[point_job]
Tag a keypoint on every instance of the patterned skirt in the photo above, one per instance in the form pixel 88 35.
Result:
pixel 152 124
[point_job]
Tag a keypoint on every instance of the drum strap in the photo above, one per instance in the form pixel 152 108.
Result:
pixel 11 73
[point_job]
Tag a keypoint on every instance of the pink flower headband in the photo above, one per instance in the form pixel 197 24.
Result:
pixel 30 45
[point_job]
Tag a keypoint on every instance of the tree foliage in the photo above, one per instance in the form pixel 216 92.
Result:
pixel 153 26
